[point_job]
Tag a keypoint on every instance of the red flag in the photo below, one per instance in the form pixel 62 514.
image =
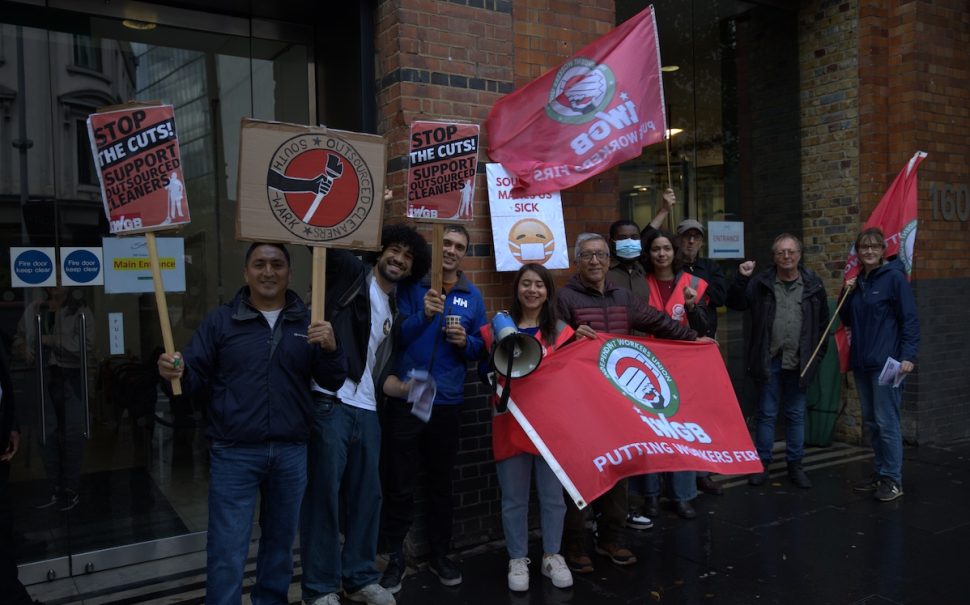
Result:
pixel 895 215
pixel 600 410
pixel 596 110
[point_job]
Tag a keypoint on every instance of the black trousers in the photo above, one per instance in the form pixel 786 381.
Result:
pixel 10 586
pixel 407 445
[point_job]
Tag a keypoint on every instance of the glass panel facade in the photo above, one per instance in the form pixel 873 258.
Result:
pixel 109 457
pixel 731 88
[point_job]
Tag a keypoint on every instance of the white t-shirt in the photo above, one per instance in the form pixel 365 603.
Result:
pixel 361 394
pixel 272 316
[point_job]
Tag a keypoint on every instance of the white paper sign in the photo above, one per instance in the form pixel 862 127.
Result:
pixel 81 267
pixel 32 267
pixel 525 230
pixel 128 270
pixel 116 333
pixel 725 239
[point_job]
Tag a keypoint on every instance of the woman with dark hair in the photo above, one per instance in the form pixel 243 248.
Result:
pixel 881 311
pixel 516 457
pixel 680 295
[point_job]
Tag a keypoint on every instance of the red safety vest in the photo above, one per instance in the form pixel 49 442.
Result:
pixel 675 307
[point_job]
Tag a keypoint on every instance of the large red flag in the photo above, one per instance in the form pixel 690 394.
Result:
pixel 596 110
pixel 895 215
pixel 602 409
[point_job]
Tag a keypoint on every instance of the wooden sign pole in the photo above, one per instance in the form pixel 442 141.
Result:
pixel 318 283
pixel 163 320
pixel 437 254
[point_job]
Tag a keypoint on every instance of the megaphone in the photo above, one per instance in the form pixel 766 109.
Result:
pixel 514 354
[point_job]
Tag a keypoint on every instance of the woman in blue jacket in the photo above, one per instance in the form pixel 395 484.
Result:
pixel 881 312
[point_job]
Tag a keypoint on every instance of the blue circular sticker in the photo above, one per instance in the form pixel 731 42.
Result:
pixel 82 266
pixel 33 267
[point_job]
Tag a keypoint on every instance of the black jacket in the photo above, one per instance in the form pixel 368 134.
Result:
pixel 708 270
pixel 757 293
pixel 348 311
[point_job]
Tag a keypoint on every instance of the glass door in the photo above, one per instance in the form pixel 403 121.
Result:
pixel 112 467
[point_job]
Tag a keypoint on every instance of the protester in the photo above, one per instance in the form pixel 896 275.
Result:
pixel 257 353
pixel 690 237
pixel 439 335
pixel 516 458
pixel 343 498
pixel 590 303
pixel 12 590
pixel 789 314
pixel 680 296
pixel 626 271
pixel 881 312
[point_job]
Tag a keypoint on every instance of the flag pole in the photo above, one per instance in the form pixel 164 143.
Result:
pixel 670 179
pixel 825 334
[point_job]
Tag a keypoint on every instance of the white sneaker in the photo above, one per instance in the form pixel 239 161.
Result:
pixel 554 567
pixel 519 574
pixel 327 599
pixel 372 594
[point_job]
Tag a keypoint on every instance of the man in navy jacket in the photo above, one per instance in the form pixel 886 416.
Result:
pixel 257 353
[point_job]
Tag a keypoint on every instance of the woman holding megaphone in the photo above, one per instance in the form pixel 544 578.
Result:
pixel 532 313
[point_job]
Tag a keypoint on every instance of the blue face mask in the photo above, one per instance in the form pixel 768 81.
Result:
pixel 628 248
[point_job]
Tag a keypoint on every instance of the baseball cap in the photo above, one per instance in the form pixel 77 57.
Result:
pixel 688 224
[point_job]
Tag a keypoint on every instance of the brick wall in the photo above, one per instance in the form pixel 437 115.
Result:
pixel 451 60
pixel 916 76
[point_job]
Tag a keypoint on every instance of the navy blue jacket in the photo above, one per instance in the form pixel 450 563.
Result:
pixel 260 377
pixel 418 336
pixel 882 314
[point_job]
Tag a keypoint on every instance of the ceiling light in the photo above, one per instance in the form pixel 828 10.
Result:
pixel 669 68
pixel 674 132
pixel 139 25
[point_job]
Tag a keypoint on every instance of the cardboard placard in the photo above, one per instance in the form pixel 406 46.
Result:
pixel 441 178
pixel 310 185
pixel 136 152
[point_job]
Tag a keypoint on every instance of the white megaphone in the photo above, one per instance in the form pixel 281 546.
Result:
pixel 514 354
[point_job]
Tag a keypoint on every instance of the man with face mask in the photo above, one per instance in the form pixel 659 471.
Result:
pixel 625 268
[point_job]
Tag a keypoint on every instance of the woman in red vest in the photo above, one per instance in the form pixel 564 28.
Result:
pixel 680 295
pixel 515 456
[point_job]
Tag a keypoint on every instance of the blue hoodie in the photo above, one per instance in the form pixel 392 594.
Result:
pixel 882 314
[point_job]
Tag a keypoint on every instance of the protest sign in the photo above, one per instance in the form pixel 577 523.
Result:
pixel 310 185
pixel 441 178
pixel 136 152
pixel 529 229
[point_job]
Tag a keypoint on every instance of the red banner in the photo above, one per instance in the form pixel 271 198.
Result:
pixel 136 153
pixel 895 215
pixel 441 178
pixel 604 409
pixel 596 110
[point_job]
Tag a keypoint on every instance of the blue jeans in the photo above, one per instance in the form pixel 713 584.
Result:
pixel 681 485
pixel 515 478
pixel 782 388
pixel 881 421
pixel 345 448
pixel 237 472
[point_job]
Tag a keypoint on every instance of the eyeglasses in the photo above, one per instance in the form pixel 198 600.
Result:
pixel 598 255
pixel 870 248
pixel 784 253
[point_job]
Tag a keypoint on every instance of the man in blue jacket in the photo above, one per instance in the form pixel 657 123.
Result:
pixel 257 354
pixel 445 347
pixel 343 497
